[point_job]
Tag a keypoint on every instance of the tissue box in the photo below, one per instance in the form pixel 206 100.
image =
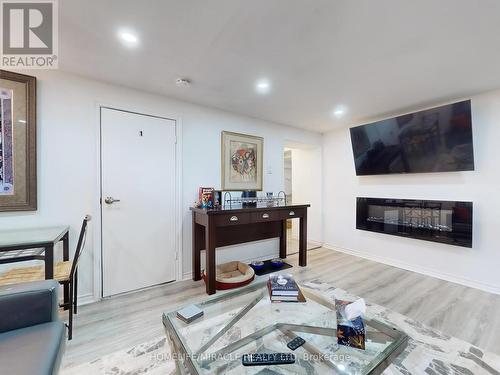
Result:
pixel 349 332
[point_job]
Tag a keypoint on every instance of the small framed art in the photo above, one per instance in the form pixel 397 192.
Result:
pixel 242 164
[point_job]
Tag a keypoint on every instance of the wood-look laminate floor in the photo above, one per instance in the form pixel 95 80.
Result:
pixel 469 314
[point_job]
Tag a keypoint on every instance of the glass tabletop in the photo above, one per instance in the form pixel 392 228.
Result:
pixel 246 321
pixel 31 236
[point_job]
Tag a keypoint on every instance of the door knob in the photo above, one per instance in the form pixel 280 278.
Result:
pixel 110 200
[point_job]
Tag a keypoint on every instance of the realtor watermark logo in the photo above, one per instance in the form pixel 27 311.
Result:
pixel 29 34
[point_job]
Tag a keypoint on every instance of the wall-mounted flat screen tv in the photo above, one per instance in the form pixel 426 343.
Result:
pixel 434 140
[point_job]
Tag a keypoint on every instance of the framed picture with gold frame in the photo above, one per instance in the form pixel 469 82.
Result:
pixel 242 167
pixel 18 184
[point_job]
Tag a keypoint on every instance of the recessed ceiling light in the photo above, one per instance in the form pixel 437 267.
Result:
pixel 339 111
pixel 263 86
pixel 128 38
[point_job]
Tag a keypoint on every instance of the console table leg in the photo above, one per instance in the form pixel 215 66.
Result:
pixel 210 256
pixel 303 241
pixel 196 250
pixel 283 240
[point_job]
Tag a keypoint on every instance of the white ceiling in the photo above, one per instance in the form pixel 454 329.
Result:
pixel 373 57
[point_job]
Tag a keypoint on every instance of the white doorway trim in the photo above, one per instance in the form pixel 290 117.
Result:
pixel 312 196
pixel 97 228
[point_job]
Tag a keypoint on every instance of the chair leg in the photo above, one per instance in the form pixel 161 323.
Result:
pixel 75 281
pixel 70 320
pixel 67 302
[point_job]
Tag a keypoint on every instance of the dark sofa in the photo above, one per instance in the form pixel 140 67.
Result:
pixel 32 338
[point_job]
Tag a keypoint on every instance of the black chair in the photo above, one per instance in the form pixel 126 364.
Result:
pixel 72 280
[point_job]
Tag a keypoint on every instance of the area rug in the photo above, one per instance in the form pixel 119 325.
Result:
pixel 428 352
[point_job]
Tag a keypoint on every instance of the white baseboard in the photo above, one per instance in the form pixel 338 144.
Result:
pixel 315 243
pixel 418 269
pixel 85 299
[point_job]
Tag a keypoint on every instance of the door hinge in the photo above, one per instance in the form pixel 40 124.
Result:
pixel 176 255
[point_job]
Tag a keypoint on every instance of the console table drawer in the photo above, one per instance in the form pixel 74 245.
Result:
pixel 291 213
pixel 259 217
pixel 232 219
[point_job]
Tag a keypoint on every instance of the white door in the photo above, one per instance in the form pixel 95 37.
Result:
pixel 137 201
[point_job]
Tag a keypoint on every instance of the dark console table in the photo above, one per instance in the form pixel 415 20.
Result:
pixel 234 225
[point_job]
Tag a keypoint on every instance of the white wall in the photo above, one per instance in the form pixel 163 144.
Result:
pixel 307 187
pixel 477 267
pixel 68 157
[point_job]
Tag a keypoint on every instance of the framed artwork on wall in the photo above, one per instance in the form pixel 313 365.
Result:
pixel 18 185
pixel 242 167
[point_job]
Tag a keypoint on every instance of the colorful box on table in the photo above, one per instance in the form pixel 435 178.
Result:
pixel 206 197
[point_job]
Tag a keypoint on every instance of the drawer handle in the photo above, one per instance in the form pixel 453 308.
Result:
pixel 291 213
pixel 233 218
pixel 265 216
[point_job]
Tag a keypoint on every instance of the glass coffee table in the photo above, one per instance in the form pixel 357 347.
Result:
pixel 244 321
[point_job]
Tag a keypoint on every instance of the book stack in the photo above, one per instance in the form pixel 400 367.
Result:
pixel 283 288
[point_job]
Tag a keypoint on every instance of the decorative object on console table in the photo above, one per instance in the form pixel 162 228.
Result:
pixel 206 197
pixel 270 199
pixel 217 198
pixel 18 185
pixel 246 198
pixel 282 197
pixel 242 164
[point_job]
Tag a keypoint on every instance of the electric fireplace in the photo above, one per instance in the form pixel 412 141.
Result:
pixel 447 222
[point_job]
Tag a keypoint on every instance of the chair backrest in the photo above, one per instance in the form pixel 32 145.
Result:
pixel 80 245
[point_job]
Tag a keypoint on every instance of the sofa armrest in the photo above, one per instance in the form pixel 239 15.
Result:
pixel 28 304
